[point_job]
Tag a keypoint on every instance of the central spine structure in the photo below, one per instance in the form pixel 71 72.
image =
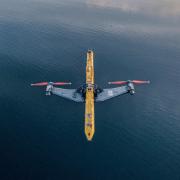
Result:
pixel 89 104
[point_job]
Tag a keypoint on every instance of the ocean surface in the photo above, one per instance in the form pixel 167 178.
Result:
pixel 137 137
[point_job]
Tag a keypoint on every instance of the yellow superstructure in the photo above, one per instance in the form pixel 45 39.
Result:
pixel 89 101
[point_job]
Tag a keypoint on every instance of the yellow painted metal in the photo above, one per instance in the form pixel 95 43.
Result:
pixel 89 104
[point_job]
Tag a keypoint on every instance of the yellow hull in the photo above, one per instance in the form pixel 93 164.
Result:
pixel 89 104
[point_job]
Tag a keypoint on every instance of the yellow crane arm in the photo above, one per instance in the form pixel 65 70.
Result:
pixel 89 100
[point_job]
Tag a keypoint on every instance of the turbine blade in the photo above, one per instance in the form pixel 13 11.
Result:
pixel 140 82
pixel 40 84
pixel 118 82
pixel 62 83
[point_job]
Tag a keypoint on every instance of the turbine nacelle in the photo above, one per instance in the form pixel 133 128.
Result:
pixel 49 88
pixel 131 88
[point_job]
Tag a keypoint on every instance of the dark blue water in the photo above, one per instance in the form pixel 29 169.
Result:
pixel 137 137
